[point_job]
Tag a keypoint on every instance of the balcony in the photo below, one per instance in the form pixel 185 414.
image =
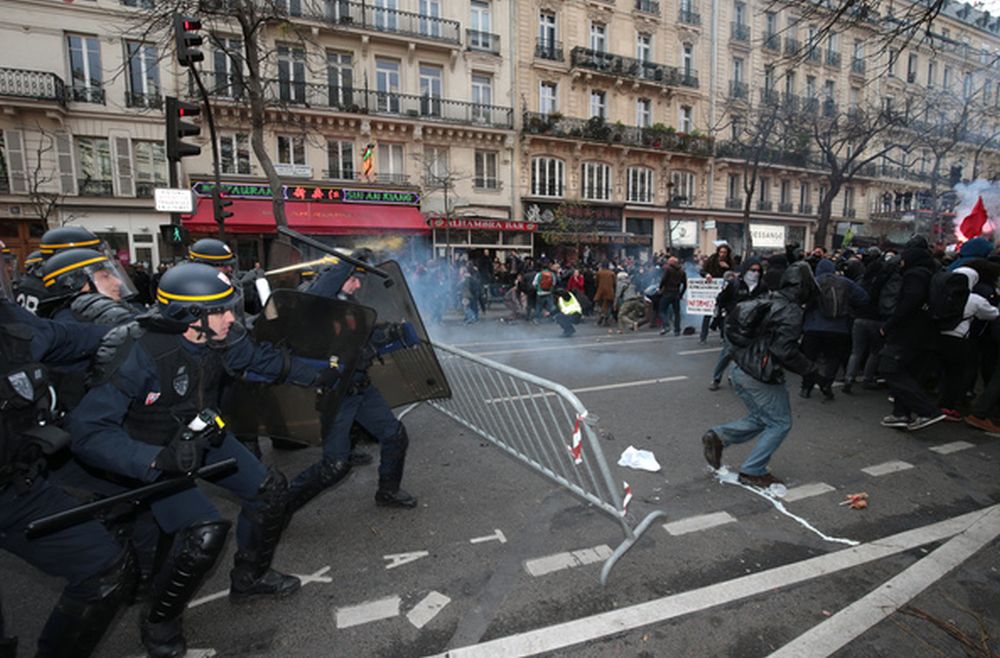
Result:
pixel 769 96
pixel 765 205
pixel 850 213
pixel 291 94
pixel 829 109
pixel 689 78
pixel 364 16
pixel 739 32
pixel 648 7
pixel 33 85
pixel 814 55
pixel 778 156
pixel 810 105
pixel 149 101
pixel 487 184
pixel 805 209
pixel 689 17
pixel 91 187
pixel 790 102
pixel 144 190
pixel 833 59
pixel 626 67
pixel 597 129
pixel 87 94
pixel 792 46
pixel 772 42
pixel 547 49
pixel 734 203
pixel 786 207
pixel 857 66
pixel 483 42
pixel 738 90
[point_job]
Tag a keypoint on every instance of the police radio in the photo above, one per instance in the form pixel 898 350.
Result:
pixel 207 425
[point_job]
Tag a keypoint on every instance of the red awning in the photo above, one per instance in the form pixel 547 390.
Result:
pixel 252 216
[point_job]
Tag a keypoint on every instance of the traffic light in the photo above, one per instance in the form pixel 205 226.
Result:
pixel 219 205
pixel 177 129
pixel 173 234
pixel 187 40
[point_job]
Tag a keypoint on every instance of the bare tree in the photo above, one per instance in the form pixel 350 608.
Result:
pixel 43 184
pixel 440 175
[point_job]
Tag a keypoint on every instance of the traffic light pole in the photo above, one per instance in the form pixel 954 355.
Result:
pixel 175 217
pixel 216 166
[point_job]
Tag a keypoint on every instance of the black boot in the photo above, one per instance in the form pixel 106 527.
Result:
pixel 397 498
pixel 316 479
pixel 76 626
pixel 194 552
pixel 252 576
pixel 390 472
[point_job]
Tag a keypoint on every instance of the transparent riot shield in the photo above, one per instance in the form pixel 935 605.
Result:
pixel 408 375
pixel 309 326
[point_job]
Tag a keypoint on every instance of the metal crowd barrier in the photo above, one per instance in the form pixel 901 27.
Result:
pixel 542 424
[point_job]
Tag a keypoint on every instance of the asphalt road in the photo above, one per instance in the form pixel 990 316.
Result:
pixel 499 561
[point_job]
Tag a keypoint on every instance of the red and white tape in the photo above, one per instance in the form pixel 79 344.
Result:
pixel 576 448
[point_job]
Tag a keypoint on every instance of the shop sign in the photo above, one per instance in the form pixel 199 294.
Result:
pixel 582 218
pixel 768 235
pixel 484 224
pixel 234 190
pixel 382 197
pixel 684 233
pixel 311 193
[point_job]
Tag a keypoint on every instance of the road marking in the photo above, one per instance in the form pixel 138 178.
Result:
pixel 364 613
pixel 714 350
pixel 590 389
pixel 948 448
pixel 315 577
pixel 191 653
pixel 550 563
pixel 808 491
pixel 840 629
pixel 209 598
pixel 399 559
pixel 496 536
pixel 427 609
pixel 570 345
pixel 594 627
pixel 886 468
pixel 697 523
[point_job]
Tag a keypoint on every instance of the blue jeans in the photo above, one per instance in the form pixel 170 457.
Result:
pixel 768 414
pixel 725 358
pixel 668 305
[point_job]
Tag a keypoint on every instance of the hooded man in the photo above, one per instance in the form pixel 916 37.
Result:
pixel 759 378
pixel 748 285
pixel 673 285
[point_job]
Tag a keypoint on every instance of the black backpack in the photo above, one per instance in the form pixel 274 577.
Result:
pixel 888 296
pixel 834 298
pixel 948 295
pixel 745 322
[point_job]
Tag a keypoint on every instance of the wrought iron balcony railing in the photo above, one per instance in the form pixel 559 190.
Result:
pixel 91 187
pixel 689 17
pixel 790 102
pixel 732 149
pixel 87 94
pixel 627 67
pixel 769 96
pixel 765 205
pixel 850 213
pixel 138 99
pixel 792 46
pixel 739 32
pixel 547 49
pixel 491 184
pixel 738 90
pixel 785 206
pixel 144 189
pixel 772 42
pixel 688 78
pixel 833 59
pixel 814 54
pixel 35 85
pixel 482 41
pixel 363 15
pixel 858 66
pixel 805 209
pixel 598 130
pixel 810 105
pixel 648 6
pixel 734 203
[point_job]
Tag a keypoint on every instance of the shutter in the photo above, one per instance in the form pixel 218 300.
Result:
pixel 17 166
pixel 67 168
pixel 121 162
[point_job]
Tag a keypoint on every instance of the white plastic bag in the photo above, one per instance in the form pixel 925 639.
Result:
pixel 642 460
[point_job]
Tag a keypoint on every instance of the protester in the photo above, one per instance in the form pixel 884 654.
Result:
pixel 673 285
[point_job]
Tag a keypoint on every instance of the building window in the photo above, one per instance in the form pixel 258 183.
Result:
pixel 547 30
pixel 893 57
pixel 848 201
pixel 431 89
pixel 765 190
pixel 598 37
pixel 640 185
pixel 738 69
pixel 482 97
pixel 683 191
pixel 486 171
pixel 547 98
pixel 290 7
pixel 340 78
pixel 291 150
pixel 227 67
pixel 911 68
pixel 387 84
pixel 143 75
pixel 93 162
pixel 85 68
pixel 967 86
pixel 785 193
pixel 687 121
pixel 644 113
pixel 946 79
pixel 430 10
pixel 739 13
pixel 291 74
pixel 150 166
pixel 390 163
pixel 596 181
pixel 768 79
pixel 687 60
pixel 803 196
pixel 734 189
pixel 830 90
pixel 340 159
pixel 644 47
pixel 234 153
pixel 547 177
pixel 931 74
pixel 598 104
pixel 385 15
pixel 436 171
pixel 481 24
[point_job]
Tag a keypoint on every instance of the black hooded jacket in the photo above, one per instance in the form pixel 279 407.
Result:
pixel 911 326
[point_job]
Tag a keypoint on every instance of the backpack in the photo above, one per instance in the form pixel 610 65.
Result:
pixel 888 296
pixel 546 280
pixel 745 322
pixel 948 295
pixel 834 302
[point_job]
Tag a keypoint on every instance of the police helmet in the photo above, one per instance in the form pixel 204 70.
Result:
pixel 33 260
pixel 66 273
pixel 211 251
pixel 190 292
pixel 6 291
pixel 67 237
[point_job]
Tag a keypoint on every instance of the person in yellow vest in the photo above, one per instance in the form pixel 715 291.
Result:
pixel 570 312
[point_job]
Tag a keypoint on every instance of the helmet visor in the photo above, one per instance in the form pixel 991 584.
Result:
pixel 110 279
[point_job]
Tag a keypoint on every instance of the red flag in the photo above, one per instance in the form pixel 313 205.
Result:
pixel 973 224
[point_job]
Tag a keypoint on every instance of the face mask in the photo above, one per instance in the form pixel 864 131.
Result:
pixel 751 277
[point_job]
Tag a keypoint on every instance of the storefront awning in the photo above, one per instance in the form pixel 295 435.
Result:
pixel 253 216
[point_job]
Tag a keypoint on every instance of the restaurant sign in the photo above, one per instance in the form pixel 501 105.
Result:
pixel 312 193
pixel 484 224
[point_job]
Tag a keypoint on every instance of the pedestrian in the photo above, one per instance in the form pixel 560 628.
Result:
pixel 747 285
pixel 605 294
pixel 468 295
pixel 716 267
pixel 673 285
pixel 545 283
pixel 764 334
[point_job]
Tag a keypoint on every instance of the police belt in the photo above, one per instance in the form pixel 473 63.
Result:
pixel 359 385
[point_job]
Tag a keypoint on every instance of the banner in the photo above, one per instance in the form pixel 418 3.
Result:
pixel 701 294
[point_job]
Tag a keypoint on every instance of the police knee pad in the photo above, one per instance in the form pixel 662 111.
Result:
pixel 268 508
pixel 195 551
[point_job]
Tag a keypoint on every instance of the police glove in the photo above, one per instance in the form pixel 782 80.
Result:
pixel 184 454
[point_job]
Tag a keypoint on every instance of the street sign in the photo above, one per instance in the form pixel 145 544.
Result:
pixel 173 200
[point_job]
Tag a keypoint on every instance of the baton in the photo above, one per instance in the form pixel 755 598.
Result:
pixel 316 244
pixel 46 525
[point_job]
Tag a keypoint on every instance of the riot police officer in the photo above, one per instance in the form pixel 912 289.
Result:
pixel 87 286
pixel 100 571
pixel 151 379
pixel 30 291
pixel 362 403
pixel 214 252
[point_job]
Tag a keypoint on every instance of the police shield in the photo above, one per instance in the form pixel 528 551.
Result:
pixel 411 374
pixel 309 326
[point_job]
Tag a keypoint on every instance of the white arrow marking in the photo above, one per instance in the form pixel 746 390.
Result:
pixel 427 609
pixel 400 559
pixel 497 535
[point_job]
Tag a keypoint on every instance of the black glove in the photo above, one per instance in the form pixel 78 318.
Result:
pixel 184 454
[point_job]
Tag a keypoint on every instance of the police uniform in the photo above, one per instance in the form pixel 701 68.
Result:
pixel 98 570
pixel 151 381
pixel 364 404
